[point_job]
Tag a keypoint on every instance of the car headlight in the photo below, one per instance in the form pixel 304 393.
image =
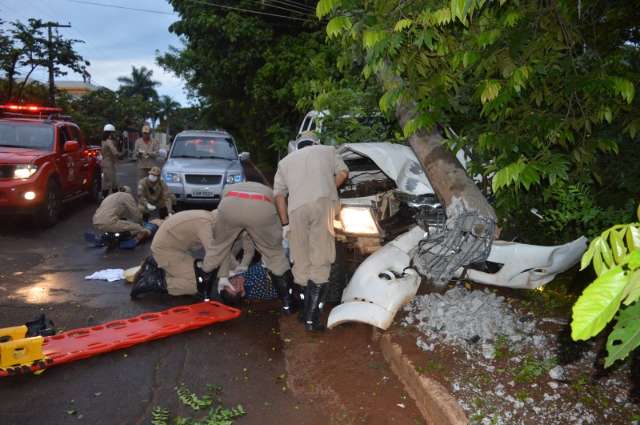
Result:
pixel 235 178
pixel 357 220
pixel 24 171
pixel 172 178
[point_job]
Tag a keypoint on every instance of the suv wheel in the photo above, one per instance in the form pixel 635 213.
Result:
pixel 50 210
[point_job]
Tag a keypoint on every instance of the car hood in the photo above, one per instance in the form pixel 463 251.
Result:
pixel 20 155
pixel 202 166
pixel 396 161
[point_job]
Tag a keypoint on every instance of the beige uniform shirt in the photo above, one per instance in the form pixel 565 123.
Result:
pixel 245 244
pixel 117 206
pixel 186 231
pixel 308 174
pixel 156 194
pixel 146 153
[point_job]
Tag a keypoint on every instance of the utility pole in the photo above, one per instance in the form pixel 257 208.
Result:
pixel 52 89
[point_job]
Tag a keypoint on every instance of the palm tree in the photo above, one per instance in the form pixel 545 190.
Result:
pixel 166 108
pixel 139 83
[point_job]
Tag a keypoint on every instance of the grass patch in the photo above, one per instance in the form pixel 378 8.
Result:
pixel 430 366
pixel 531 369
pixel 219 415
pixel 501 346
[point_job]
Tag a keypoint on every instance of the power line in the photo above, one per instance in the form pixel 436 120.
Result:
pixel 266 4
pixel 293 4
pixel 202 2
pixel 239 9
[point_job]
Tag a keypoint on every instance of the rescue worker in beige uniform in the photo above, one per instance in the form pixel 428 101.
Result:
pixel 249 206
pixel 110 156
pixel 146 150
pixel 154 194
pixel 119 213
pixel 305 188
pixel 171 249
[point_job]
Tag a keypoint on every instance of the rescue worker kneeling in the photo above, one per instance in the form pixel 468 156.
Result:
pixel 119 214
pixel 154 194
pixel 171 268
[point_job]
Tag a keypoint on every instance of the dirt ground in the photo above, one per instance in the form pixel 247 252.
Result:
pixel 344 370
pixel 515 387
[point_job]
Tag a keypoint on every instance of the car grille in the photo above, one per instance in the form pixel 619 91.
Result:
pixel 202 179
pixel 6 171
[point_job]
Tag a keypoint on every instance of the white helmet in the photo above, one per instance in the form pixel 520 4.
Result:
pixel 109 127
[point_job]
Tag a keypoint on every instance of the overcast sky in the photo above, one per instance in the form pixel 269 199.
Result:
pixel 115 39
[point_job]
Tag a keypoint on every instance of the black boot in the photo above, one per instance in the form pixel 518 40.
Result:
pixel 314 298
pixel 150 278
pixel 205 282
pixel 284 287
pixel 297 294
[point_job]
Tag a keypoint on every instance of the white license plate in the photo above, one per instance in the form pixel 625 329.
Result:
pixel 202 194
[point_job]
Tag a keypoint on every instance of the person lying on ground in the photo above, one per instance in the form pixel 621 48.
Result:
pixel 251 284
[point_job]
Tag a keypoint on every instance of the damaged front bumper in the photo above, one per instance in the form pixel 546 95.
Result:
pixel 381 285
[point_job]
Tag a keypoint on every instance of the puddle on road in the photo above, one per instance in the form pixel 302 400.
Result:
pixel 47 290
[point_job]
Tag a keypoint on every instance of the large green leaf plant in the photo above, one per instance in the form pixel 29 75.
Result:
pixel 615 257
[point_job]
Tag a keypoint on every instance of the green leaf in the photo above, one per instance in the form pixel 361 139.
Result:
pixel 624 88
pixel 633 237
pixel 598 304
pixel 588 256
pixel 469 58
pixel 337 25
pixel 605 250
pixel 324 7
pixel 625 336
pixel 598 264
pixel 617 245
pixel 403 24
pixel 633 261
pixel 372 37
pixel 457 9
pixel 511 18
pixel 490 91
pixel 638 212
pixel 441 16
pixel 631 292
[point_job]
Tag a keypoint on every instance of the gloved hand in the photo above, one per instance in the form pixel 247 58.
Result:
pixel 285 232
pixel 222 282
pixel 199 264
pixel 151 207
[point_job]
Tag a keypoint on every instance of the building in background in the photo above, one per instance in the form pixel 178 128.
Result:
pixel 76 89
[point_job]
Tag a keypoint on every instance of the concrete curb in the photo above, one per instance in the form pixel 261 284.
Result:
pixel 435 403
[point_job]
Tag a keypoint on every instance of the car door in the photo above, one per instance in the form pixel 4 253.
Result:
pixel 67 162
pixel 81 159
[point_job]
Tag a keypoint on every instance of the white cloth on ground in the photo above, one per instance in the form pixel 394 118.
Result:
pixel 107 274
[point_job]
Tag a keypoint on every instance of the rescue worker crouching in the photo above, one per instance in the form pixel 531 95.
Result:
pixel 249 206
pixel 154 194
pixel 110 156
pixel 171 268
pixel 118 213
pixel 306 196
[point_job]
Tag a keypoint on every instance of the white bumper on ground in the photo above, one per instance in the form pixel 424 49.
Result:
pixel 380 286
pixel 528 266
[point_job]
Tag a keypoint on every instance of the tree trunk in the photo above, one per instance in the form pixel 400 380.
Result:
pixel 470 226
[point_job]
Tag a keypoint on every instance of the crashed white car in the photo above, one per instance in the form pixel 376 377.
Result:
pixel 388 205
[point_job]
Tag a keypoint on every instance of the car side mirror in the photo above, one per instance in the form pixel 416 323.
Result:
pixel 244 156
pixel 71 146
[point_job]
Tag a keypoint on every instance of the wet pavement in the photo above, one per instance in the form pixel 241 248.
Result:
pixel 42 271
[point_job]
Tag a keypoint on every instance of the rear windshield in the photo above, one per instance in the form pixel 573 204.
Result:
pixel 204 147
pixel 29 136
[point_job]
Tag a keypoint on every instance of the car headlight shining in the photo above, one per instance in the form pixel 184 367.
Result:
pixel 235 178
pixel 24 171
pixel 172 178
pixel 358 220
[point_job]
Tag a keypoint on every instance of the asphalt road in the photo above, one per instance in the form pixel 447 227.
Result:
pixel 43 271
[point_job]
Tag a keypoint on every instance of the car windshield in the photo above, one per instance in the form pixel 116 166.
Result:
pixel 28 136
pixel 204 147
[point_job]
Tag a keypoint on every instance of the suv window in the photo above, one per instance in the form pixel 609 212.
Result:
pixel 74 133
pixel 29 136
pixel 203 147
pixel 63 137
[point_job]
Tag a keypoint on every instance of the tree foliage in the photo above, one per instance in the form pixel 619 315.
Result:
pixel 24 47
pixel 139 83
pixel 615 257
pixel 538 92
pixel 254 75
